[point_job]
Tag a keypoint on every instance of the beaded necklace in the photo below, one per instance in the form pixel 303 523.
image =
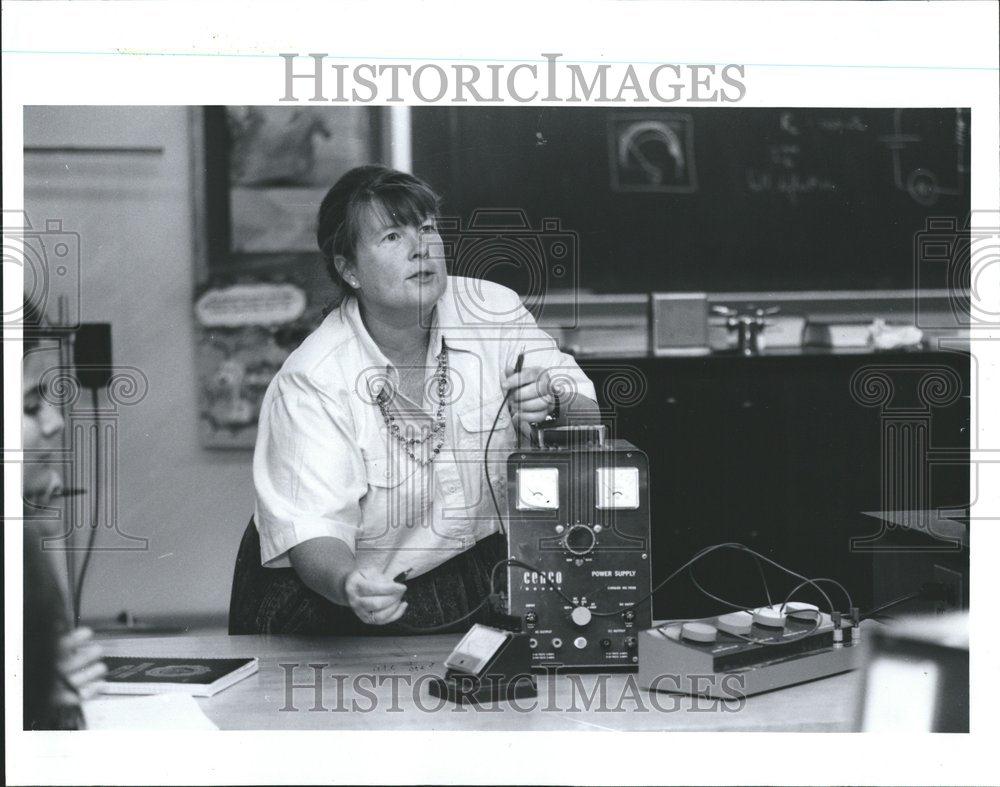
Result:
pixel 437 431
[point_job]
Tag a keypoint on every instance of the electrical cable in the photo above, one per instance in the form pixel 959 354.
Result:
pixel 894 603
pixel 78 595
pixel 467 615
pixel 798 587
pixel 763 579
pixel 444 626
pixel 500 521
pixel 518 366
pixel 817 622
pixel 510 561
pixel 698 556
pixel 486 464
pixel 924 593
pixel 704 592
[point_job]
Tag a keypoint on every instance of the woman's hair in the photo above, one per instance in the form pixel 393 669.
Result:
pixel 401 199
pixel 33 323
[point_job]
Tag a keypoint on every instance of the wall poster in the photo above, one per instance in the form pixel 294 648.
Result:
pixel 261 286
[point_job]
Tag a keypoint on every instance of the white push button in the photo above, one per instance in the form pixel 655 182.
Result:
pixel 772 616
pixel 699 632
pixel 580 642
pixel 735 622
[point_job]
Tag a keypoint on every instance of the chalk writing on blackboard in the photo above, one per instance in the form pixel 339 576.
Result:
pixel 652 153
pixel 793 124
pixel 911 170
pixel 783 172
pixel 790 184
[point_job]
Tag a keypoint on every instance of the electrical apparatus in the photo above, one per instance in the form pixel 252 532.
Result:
pixel 488 665
pixel 749 651
pixel 578 537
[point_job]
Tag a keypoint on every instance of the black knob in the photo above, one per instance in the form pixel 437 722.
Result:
pixel 580 540
pixel 530 618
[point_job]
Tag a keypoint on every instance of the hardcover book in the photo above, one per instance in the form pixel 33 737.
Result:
pixel 198 677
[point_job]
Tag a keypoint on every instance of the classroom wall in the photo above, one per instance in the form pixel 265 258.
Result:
pixel 134 213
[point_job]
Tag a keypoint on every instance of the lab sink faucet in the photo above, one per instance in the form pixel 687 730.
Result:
pixel 750 325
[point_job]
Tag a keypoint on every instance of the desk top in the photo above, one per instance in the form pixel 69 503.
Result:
pixel 380 683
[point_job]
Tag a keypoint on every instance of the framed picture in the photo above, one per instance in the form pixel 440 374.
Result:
pixel 260 286
pixel 652 152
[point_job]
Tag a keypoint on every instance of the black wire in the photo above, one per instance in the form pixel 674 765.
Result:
pixel 894 603
pixel 763 579
pixel 503 531
pixel 512 561
pixel 698 556
pixel 467 615
pixel 77 597
pixel 817 622
pixel 705 592
pixel 850 602
pixel 486 463
pixel 507 561
pixel 444 626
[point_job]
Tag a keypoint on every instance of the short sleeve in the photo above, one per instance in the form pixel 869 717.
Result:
pixel 308 471
pixel 541 351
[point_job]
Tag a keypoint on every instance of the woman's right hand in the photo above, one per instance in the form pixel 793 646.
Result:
pixel 79 667
pixel 375 598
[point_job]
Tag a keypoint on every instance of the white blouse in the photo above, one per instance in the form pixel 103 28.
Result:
pixel 325 463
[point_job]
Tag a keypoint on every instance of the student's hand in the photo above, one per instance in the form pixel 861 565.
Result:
pixel 531 396
pixel 79 667
pixel 375 598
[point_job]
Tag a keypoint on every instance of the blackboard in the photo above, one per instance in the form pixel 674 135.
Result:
pixel 704 199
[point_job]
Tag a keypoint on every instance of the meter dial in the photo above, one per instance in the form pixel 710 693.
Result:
pixel 618 487
pixel 537 488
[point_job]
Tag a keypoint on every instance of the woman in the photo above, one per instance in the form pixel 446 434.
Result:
pixel 369 459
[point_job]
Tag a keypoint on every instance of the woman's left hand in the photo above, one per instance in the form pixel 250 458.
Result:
pixel 531 397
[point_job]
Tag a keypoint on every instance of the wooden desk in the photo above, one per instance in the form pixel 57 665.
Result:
pixel 257 703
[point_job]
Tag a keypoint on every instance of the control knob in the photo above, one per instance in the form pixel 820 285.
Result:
pixel 580 616
pixel 580 540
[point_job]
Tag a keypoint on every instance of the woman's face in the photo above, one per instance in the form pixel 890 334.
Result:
pixel 41 429
pixel 397 268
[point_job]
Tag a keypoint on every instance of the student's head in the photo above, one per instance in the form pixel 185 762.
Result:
pixel 378 237
pixel 41 423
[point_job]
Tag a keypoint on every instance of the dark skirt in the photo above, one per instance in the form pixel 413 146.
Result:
pixel 276 601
